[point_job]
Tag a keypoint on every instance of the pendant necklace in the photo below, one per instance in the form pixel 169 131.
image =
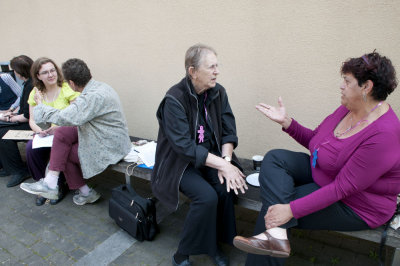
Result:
pixel 54 96
pixel 201 130
pixel 364 119
pixel 337 135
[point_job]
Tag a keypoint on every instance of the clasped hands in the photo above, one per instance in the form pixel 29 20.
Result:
pixel 233 178
pixel 8 116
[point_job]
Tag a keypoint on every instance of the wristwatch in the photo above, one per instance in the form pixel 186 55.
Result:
pixel 227 158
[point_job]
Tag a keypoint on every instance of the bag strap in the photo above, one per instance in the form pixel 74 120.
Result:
pixel 128 179
pixel 142 202
pixel 384 236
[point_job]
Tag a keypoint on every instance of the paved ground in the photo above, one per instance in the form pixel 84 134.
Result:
pixel 67 234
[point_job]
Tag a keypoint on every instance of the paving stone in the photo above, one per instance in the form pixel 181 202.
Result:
pixel 17 250
pixel 15 218
pixel 24 238
pixel 84 242
pixel 36 260
pixel 60 258
pixel 62 245
pixel 5 256
pixel 49 236
pixel 42 249
pixel 32 227
pixel 99 237
pixel 12 261
pixel 61 230
pixel 76 254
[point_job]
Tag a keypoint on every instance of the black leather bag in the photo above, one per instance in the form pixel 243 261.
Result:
pixel 133 213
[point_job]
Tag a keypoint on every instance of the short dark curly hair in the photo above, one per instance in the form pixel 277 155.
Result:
pixel 374 67
pixel 76 70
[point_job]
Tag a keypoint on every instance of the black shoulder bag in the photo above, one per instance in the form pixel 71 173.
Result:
pixel 133 213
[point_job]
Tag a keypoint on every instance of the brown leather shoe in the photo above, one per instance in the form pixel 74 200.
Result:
pixel 272 246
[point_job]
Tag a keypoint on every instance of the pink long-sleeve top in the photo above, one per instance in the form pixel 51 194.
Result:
pixel 363 170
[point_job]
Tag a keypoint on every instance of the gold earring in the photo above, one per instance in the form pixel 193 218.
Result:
pixel 364 97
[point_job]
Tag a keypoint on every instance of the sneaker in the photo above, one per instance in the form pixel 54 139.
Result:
pixel 40 188
pixel 80 199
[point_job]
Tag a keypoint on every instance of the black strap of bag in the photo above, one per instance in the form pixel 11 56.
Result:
pixel 140 200
pixel 128 179
pixel 384 236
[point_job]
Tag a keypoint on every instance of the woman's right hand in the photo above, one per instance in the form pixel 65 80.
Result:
pixel 276 114
pixel 41 133
pixel 234 178
pixel 50 130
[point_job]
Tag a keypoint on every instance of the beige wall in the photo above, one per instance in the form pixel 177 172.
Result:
pixel 265 49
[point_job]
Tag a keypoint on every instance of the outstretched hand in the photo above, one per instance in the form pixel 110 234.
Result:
pixel 277 114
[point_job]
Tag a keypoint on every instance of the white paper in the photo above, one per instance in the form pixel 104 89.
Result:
pixel 147 153
pixel 132 156
pixel 40 142
pixel 19 134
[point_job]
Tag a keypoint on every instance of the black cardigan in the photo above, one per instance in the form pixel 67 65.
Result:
pixel 176 143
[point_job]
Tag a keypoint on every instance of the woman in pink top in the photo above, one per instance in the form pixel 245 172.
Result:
pixel 352 178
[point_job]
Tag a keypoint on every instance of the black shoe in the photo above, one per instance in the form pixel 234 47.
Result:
pixel 62 191
pixel 183 263
pixel 40 201
pixel 17 179
pixel 3 173
pixel 220 259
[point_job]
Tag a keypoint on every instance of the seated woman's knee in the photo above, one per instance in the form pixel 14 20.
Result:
pixel 208 199
pixel 274 154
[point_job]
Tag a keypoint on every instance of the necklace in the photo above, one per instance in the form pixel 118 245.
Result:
pixel 54 96
pixel 316 147
pixel 364 119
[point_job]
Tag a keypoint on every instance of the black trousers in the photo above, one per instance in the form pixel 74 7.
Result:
pixel 286 176
pixel 211 216
pixel 9 153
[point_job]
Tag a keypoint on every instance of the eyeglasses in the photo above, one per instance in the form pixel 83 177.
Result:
pixel 46 73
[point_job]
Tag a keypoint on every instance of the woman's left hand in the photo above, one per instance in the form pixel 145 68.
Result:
pixel 277 215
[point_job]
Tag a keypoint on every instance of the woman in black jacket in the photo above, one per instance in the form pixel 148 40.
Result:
pixel 194 155
pixel 9 153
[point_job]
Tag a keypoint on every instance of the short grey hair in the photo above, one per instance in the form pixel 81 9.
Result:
pixel 195 54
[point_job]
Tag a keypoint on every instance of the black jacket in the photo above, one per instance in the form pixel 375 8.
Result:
pixel 23 104
pixel 176 143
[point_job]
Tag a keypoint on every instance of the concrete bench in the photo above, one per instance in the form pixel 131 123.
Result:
pixel 251 200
